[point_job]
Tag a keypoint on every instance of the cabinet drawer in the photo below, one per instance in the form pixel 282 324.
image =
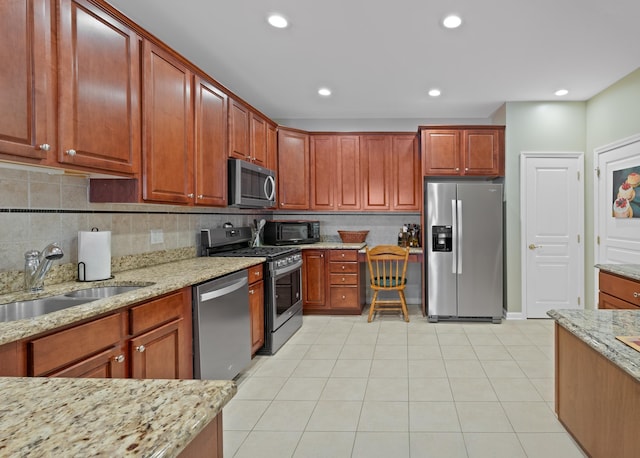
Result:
pixel 255 273
pixel 156 312
pixel 344 279
pixel 343 255
pixel 345 267
pixel 605 301
pixel 344 297
pixel 65 347
pixel 622 288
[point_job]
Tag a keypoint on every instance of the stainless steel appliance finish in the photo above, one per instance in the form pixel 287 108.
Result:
pixel 221 327
pixel 250 186
pixel 291 232
pixel 282 280
pixel 464 265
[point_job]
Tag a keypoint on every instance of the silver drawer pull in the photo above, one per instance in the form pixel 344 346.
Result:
pixel 141 348
pixel 636 295
pixel 119 358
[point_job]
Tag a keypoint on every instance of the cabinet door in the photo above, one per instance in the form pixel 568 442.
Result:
pixel 376 171
pixel 348 184
pixel 238 131
pixel 314 280
pixel 110 363
pixel 156 354
pixel 99 83
pixel 441 152
pixel 272 147
pixel 322 171
pixel 293 170
pixel 258 144
pixel 481 152
pixel 406 179
pixel 27 95
pixel 168 128
pixel 256 309
pixel 70 346
pixel 210 144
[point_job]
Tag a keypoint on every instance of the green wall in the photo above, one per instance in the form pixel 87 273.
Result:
pixel 611 115
pixel 532 126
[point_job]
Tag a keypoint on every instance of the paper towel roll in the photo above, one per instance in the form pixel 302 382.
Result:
pixel 94 255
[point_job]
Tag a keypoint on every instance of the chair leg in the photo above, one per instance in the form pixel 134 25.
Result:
pixel 403 301
pixel 372 307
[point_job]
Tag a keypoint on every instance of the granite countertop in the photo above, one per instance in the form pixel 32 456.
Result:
pixel 337 245
pixel 631 271
pixel 106 417
pixel 599 328
pixel 160 279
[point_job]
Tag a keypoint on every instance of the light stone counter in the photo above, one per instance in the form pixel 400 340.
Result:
pixel 631 271
pixel 599 328
pixel 47 417
pixel 328 245
pixel 161 279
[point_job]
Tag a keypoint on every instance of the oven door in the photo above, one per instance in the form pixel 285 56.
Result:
pixel 285 294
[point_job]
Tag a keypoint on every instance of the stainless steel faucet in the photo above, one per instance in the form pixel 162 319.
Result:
pixel 37 264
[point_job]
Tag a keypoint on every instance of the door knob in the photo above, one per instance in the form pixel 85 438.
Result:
pixel 533 247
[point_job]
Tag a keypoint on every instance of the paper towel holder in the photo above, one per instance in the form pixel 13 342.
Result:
pixel 82 266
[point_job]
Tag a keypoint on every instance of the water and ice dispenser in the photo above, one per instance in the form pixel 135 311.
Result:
pixel 441 238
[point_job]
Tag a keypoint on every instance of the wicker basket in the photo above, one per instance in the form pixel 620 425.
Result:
pixel 353 236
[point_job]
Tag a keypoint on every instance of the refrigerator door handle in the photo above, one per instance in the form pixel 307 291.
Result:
pixel 454 238
pixel 459 229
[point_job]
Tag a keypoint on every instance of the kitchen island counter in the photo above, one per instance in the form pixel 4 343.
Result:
pixel 631 271
pixel 597 380
pixel 103 417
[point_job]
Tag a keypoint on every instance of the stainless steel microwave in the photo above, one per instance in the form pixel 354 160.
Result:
pixel 250 186
pixel 291 232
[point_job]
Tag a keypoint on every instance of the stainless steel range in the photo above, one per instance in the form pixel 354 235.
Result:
pixel 283 280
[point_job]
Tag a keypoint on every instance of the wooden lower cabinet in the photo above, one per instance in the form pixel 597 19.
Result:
pixel 208 443
pixel 148 340
pixel 618 292
pixel 256 307
pixel 596 401
pixel 332 282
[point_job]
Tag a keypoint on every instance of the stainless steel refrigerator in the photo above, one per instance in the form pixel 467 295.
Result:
pixel 464 260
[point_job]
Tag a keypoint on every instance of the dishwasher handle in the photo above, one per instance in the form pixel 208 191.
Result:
pixel 223 291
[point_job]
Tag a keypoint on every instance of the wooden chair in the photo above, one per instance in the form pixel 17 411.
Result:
pixel 387 270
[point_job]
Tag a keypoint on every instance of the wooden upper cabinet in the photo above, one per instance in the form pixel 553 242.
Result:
pixel 210 144
pixel 323 171
pixel 406 176
pixel 27 92
pixel 99 89
pixel 376 171
pixel 167 128
pixel 483 152
pixel 348 176
pixel 258 140
pixel 238 130
pixel 465 150
pixel 293 170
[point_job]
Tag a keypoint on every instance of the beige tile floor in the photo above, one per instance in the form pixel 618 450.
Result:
pixel 342 387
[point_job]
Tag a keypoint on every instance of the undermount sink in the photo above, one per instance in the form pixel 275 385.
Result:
pixel 36 307
pixel 99 292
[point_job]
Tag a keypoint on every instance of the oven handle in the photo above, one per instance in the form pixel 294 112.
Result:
pixel 290 268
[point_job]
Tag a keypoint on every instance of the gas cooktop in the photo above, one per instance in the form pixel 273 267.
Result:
pixel 260 251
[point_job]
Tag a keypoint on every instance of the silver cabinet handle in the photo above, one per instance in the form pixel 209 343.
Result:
pixel 141 348
pixel 71 152
pixel 190 195
pixel 636 295
pixel 251 291
pixel 45 147
pixel 200 196
pixel 119 359
pixel 256 273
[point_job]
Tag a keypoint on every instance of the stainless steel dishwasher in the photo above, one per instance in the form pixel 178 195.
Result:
pixel 221 327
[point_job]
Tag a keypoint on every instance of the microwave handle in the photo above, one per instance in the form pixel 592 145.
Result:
pixel 272 195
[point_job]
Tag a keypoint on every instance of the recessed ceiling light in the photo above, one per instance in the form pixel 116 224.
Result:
pixel 434 92
pixel 325 92
pixel 278 21
pixel 561 92
pixel 452 21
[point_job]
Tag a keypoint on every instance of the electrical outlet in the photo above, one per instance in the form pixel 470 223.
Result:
pixel 157 236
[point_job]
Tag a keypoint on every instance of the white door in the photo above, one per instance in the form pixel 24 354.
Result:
pixel 552 232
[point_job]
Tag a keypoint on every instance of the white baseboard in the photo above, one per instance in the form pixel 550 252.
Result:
pixel 515 316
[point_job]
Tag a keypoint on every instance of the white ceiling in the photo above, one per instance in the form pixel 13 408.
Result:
pixel 380 57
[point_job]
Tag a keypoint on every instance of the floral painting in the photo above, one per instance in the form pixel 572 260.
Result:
pixel 626 193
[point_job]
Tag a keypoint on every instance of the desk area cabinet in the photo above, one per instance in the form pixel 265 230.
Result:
pixel 618 292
